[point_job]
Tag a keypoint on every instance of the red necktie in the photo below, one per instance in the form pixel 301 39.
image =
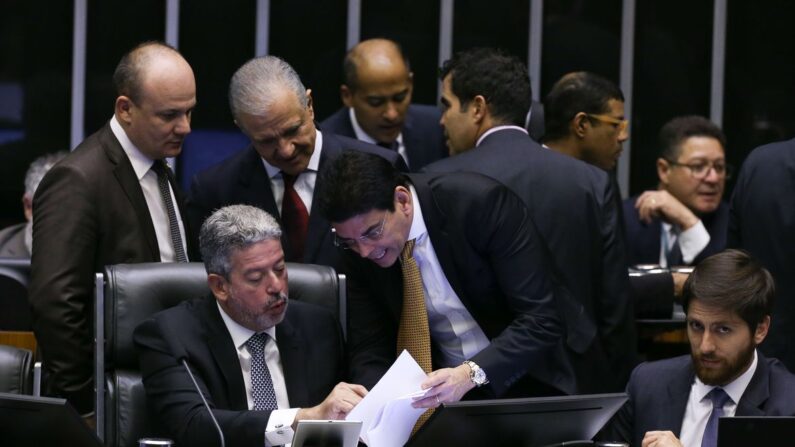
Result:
pixel 295 219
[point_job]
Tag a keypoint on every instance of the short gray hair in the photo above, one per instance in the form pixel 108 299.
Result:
pixel 252 88
pixel 38 168
pixel 233 228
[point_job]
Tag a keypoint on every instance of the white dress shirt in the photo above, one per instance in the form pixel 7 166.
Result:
pixel 699 406
pixel 453 330
pixel 305 182
pixel 691 241
pixel 361 135
pixel 284 416
pixel 147 178
pixel 499 128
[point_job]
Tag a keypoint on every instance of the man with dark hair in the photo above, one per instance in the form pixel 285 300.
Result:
pixel 112 200
pixel 485 96
pixel 684 220
pixel 584 118
pixel 469 295
pixel 278 173
pixel 259 357
pixel 377 97
pixel 762 221
pixel 728 300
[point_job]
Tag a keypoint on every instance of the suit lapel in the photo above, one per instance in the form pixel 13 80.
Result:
pixel 672 410
pixel 757 392
pixel 218 340
pixel 125 175
pixel 436 224
pixel 319 228
pixel 294 365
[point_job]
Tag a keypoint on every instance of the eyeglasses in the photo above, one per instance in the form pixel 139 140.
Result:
pixel 619 124
pixel 700 169
pixel 371 236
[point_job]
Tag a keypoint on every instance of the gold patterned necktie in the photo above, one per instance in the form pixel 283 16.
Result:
pixel 413 332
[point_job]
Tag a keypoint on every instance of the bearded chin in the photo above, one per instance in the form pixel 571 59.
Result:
pixel 727 372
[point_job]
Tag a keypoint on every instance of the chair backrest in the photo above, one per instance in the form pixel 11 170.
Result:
pixel 127 294
pixel 16 370
pixel 14 276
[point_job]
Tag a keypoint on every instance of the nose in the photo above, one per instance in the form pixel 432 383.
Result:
pixel 390 113
pixel 183 125
pixel 706 346
pixel 363 248
pixel 286 148
pixel 712 175
pixel 623 134
pixel 276 283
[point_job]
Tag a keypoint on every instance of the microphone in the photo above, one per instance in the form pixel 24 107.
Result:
pixel 181 355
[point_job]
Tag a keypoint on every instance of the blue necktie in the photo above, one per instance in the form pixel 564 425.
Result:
pixel 719 398
pixel 261 382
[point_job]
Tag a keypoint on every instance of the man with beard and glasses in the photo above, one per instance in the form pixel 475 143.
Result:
pixel 676 402
pixel 255 359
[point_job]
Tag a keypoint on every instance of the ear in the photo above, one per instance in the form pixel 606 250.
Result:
pixel 761 330
pixel 480 108
pixel 663 170
pixel 403 201
pixel 347 95
pixel 309 107
pixel 123 109
pixel 27 207
pixel 580 124
pixel 218 286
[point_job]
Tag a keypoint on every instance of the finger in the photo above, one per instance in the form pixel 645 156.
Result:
pixel 434 379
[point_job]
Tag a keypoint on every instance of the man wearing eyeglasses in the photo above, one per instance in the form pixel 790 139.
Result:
pixel 684 220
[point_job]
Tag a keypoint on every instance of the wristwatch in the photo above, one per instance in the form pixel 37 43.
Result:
pixel 476 373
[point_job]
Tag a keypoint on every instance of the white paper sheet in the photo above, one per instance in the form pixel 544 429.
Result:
pixel 386 412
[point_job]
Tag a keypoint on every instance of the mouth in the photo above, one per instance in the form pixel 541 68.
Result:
pixel 377 255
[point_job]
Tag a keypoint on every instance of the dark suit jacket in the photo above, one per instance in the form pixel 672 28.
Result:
pixel 490 253
pixel 659 391
pixel 242 179
pixel 763 222
pixel 12 242
pixel 643 240
pixel 572 205
pixel 310 346
pixel 90 212
pixel 422 134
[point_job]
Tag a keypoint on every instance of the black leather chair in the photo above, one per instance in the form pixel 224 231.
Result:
pixel 16 370
pixel 14 275
pixel 128 294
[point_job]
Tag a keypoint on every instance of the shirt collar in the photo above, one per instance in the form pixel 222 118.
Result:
pixel 418 229
pixel 314 160
pixel 239 333
pixel 497 129
pixel 140 162
pixel 734 389
pixel 361 135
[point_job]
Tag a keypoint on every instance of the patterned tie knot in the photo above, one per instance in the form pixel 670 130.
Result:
pixel 408 249
pixel 256 344
pixel 719 398
pixel 289 179
pixel 160 168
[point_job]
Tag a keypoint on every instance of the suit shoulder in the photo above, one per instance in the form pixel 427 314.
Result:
pixel 781 379
pixel 229 166
pixel 337 122
pixel 772 154
pixel 653 372
pixel 425 112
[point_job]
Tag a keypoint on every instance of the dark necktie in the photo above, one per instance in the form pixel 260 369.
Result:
pixel 162 170
pixel 261 382
pixel 295 219
pixel 674 255
pixel 413 332
pixel 393 146
pixel 719 398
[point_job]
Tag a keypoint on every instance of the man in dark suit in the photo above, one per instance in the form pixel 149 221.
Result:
pixel 252 389
pixel 475 300
pixel 684 220
pixel 272 107
pixel 110 201
pixel 378 109
pixel 571 203
pixel 762 221
pixel 728 300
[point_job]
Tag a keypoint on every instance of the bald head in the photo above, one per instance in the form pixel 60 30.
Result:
pixel 144 62
pixel 378 86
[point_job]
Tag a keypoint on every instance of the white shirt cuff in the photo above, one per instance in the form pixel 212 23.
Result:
pixel 692 241
pixel 279 430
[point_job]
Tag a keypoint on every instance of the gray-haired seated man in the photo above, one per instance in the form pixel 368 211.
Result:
pixel 260 360
pixel 677 402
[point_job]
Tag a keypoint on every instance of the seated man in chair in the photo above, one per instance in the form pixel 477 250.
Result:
pixel 260 365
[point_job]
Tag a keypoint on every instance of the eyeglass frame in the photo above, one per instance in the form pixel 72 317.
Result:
pixel 371 236
pixel 621 125
pixel 728 169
